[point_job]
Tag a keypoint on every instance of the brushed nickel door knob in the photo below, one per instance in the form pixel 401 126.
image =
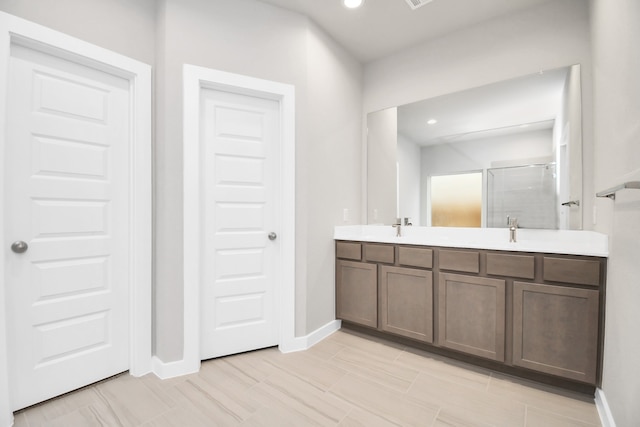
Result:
pixel 19 247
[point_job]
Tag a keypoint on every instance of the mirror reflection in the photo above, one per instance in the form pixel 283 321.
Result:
pixel 512 149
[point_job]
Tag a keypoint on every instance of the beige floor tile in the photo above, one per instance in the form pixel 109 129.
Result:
pixel 51 410
pixel 317 372
pixel 226 375
pixel 566 403
pixel 252 365
pixel 386 403
pixel 539 418
pixel 235 402
pixel 274 416
pixel 376 368
pixel 131 402
pixel 89 416
pixel 359 418
pixel 326 348
pixel 467 404
pixel 448 420
pixel 348 380
pixel 291 394
pixel 184 415
pixel 457 372
pixel 218 411
pixel 373 345
pixel 164 389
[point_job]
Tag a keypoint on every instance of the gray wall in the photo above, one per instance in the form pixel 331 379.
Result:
pixel 616 61
pixel 382 145
pixel 123 26
pixel 409 179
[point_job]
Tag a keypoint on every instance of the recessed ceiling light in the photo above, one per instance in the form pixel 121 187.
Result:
pixel 352 4
pixel 432 121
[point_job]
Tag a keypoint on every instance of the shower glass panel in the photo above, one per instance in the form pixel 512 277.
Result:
pixel 456 200
pixel 528 193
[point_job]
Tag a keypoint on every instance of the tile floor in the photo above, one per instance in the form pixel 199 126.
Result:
pixel 346 380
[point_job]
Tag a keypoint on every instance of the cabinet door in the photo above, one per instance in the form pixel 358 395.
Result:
pixel 472 315
pixel 555 330
pixel 357 292
pixel 406 302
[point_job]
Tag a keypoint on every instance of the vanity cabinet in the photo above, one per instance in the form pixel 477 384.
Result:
pixel 406 302
pixel 556 330
pixel 356 286
pixel 357 292
pixel 472 315
pixel 530 314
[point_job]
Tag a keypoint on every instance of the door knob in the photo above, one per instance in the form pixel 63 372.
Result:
pixel 19 247
pixel 273 236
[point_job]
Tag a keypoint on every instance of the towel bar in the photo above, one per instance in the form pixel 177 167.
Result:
pixel 611 192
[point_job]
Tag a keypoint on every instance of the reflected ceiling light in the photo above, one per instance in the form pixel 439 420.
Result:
pixel 432 121
pixel 352 4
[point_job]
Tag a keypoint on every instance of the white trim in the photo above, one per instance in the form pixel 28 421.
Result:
pixel 196 78
pixel 606 417
pixel 164 371
pixel 308 341
pixel 17 30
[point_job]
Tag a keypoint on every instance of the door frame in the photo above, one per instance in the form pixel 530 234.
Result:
pixel 195 79
pixel 19 31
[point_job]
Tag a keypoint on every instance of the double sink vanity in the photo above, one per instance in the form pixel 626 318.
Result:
pixel 532 308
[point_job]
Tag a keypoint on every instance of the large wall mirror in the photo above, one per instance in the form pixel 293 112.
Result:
pixel 476 158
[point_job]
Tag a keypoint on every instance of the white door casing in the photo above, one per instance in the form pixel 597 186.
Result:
pixel 239 138
pixel 197 80
pixel 135 79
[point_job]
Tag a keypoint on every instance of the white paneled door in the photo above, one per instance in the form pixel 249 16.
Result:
pixel 67 200
pixel 239 140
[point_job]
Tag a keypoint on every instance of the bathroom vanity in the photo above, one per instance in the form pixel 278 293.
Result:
pixel 532 308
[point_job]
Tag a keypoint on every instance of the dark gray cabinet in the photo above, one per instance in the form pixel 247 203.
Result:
pixel 527 313
pixel 472 315
pixel 555 330
pixel 406 302
pixel 357 292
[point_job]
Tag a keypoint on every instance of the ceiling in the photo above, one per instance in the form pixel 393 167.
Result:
pixel 382 27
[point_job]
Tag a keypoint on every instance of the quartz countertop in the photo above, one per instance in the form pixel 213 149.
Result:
pixel 571 242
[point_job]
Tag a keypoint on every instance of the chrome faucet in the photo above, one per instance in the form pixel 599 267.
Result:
pixel 398 226
pixel 513 226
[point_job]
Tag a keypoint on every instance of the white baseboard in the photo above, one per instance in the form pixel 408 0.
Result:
pixel 606 417
pixel 308 341
pixel 166 370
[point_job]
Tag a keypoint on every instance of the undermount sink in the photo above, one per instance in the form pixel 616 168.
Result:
pixel 574 242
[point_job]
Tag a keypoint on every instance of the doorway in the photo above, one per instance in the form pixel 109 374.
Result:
pixel 237 236
pixel 76 294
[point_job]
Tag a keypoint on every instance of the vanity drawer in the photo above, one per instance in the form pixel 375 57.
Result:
pixel 379 253
pixel 349 250
pixel 415 257
pixel 569 270
pixel 466 261
pixel 520 266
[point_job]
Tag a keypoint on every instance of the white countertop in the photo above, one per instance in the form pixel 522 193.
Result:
pixel 572 242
